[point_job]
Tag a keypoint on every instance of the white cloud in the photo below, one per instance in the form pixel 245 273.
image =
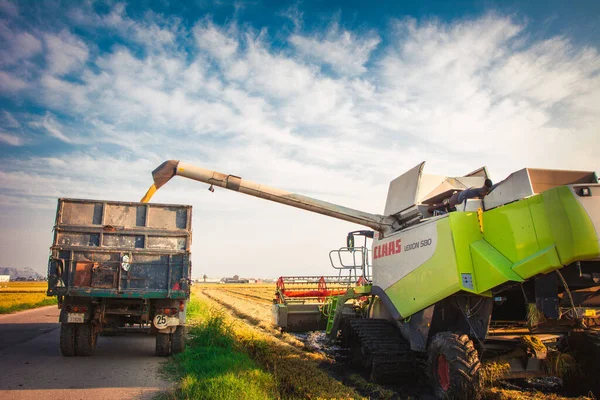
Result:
pixel 54 128
pixel 436 85
pixel 11 139
pixel 9 8
pixel 550 71
pixel 9 121
pixel 66 52
pixel 293 14
pixel 28 44
pixel 10 83
pixel 215 41
pixel 16 46
pixel 346 52
pixel 63 95
pixel 459 95
pixel 153 30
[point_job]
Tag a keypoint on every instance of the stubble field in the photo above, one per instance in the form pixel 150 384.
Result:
pixel 17 296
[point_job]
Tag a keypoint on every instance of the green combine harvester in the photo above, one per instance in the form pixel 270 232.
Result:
pixel 465 271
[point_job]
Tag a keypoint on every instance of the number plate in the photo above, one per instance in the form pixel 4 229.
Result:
pixel 160 321
pixel 76 318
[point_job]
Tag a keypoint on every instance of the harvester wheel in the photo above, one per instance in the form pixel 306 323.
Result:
pixel 453 366
pixel 85 339
pixel 583 372
pixel 67 340
pixel 163 344
pixel 178 340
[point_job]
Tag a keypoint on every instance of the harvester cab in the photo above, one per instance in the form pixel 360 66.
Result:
pixel 463 270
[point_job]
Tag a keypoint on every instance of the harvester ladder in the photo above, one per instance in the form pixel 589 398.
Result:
pixel 331 316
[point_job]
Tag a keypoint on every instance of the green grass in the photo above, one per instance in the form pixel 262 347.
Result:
pixel 294 373
pixel 212 367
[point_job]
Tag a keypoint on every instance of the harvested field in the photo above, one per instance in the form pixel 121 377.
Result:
pixel 307 365
pixel 16 296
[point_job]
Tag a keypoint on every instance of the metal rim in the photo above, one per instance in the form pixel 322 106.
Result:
pixel 443 373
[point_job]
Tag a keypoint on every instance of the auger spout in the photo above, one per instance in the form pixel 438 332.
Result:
pixel 170 168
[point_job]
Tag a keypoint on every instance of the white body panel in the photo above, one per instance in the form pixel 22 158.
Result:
pixel 403 191
pixel 529 181
pixel 516 187
pixel 397 255
pixel 591 204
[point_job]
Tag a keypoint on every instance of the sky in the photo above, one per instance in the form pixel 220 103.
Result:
pixel 330 99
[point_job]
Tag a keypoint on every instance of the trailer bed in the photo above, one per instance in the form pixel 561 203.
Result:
pixel 120 249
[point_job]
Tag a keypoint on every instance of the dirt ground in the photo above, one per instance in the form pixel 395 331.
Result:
pixel 252 305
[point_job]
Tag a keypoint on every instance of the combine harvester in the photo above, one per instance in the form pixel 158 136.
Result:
pixel 464 271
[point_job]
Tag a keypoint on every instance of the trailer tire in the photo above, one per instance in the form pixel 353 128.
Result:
pixel 163 345
pixel 67 340
pixel 453 366
pixel 178 340
pixel 86 339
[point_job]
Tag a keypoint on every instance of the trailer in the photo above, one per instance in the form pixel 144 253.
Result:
pixel 118 266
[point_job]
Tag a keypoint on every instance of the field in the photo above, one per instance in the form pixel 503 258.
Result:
pixel 236 320
pixel 16 296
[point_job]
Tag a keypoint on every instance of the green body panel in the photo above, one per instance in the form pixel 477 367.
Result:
pixel 571 227
pixel 465 231
pixel 520 240
pixel 540 222
pixel 542 262
pixel 490 266
pixel 434 280
pixel 511 231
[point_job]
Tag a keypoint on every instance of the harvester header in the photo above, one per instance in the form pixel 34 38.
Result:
pixel 170 168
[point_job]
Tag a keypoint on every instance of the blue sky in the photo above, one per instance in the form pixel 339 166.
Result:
pixel 329 99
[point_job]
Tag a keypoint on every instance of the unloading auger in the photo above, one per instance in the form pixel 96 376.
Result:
pixel 464 270
pixel 171 168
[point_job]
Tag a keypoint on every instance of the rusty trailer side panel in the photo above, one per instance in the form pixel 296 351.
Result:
pixel 120 249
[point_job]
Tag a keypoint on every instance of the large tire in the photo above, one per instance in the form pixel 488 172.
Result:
pixel 178 340
pixel 583 375
pixel 86 339
pixel 163 344
pixel 67 340
pixel 453 366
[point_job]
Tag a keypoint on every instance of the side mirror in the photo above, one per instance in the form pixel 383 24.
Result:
pixel 56 267
pixel 350 241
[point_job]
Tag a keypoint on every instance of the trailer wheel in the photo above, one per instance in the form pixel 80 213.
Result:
pixel 453 366
pixel 163 344
pixel 67 340
pixel 178 340
pixel 86 339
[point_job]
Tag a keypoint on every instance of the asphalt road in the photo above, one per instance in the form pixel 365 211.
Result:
pixel 31 367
